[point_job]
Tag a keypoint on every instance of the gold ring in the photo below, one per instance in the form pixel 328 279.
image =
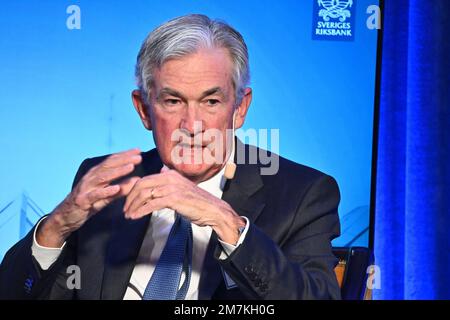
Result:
pixel 151 194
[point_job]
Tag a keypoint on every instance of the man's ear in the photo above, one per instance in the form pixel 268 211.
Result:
pixel 241 111
pixel 142 109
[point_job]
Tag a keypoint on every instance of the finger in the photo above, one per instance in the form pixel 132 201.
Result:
pixel 120 159
pixel 149 207
pixel 127 185
pixel 102 194
pixel 119 162
pixel 124 189
pixel 144 196
pixel 100 204
pixel 127 152
pixel 106 167
pixel 167 177
pixel 164 190
pixel 151 181
pixel 106 177
pixel 150 196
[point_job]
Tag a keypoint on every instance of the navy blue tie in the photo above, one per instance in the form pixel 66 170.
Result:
pixel 175 258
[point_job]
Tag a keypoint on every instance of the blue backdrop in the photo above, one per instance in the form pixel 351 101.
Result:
pixel 65 95
pixel 412 242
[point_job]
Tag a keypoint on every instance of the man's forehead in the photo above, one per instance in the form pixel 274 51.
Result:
pixel 204 83
pixel 205 79
pixel 203 65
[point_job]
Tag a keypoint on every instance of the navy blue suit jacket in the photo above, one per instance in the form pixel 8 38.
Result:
pixel 286 253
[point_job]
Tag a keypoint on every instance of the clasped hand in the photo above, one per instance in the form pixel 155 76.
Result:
pixel 168 189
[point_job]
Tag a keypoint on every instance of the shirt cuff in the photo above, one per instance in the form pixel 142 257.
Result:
pixel 227 249
pixel 45 256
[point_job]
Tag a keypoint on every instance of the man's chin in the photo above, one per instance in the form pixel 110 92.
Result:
pixel 197 172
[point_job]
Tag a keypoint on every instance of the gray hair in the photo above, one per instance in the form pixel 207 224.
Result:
pixel 185 35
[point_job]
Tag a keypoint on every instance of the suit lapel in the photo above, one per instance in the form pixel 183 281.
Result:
pixel 126 239
pixel 122 252
pixel 241 193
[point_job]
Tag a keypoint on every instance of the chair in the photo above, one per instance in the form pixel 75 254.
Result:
pixel 351 272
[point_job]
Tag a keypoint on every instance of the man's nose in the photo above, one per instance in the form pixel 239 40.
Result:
pixel 191 121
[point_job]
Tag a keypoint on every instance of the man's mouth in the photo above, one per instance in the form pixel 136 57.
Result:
pixel 191 146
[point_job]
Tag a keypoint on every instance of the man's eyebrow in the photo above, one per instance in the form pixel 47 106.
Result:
pixel 215 90
pixel 170 92
pixel 175 93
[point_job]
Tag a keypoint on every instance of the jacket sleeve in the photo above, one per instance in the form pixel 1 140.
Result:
pixel 22 278
pixel 302 267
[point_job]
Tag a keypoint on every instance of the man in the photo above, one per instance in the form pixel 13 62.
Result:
pixel 162 225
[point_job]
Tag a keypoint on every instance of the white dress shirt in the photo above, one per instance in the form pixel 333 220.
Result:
pixel 153 244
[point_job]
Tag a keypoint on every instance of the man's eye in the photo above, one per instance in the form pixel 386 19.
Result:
pixel 172 102
pixel 212 102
